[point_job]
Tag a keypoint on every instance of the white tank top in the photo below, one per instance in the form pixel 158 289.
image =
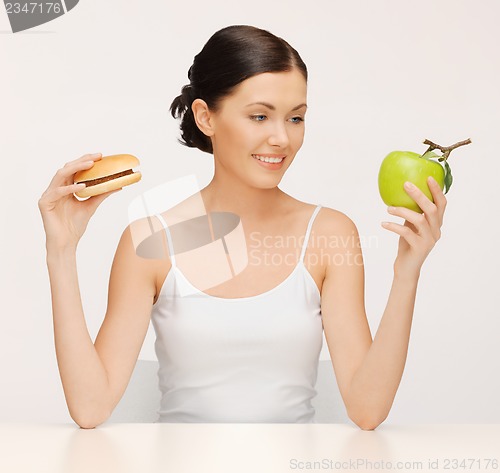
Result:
pixel 248 359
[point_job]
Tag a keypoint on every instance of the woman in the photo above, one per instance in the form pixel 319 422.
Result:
pixel 245 350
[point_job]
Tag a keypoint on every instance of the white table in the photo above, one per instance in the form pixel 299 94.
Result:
pixel 256 448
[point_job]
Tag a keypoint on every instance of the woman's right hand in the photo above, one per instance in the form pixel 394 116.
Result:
pixel 65 218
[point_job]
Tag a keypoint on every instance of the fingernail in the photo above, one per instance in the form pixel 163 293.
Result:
pixel 431 179
pixel 95 155
pixel 409 185
pixel 390 209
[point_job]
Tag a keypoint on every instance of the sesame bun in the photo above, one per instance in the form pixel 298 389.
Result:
pixel 107 174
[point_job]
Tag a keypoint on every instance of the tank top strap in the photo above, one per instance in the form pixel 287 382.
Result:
pixel 169 238
pixel 308 232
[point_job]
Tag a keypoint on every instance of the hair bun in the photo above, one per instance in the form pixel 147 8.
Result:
pixel 187 95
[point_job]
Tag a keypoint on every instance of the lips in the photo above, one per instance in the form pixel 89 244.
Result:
pixel 270 155
pixel 270 166
pixel 274 157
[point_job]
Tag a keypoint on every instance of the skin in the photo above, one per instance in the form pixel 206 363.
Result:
pixel 238 131
pixel 368 372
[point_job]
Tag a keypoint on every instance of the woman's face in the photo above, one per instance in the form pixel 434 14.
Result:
pixel 263 117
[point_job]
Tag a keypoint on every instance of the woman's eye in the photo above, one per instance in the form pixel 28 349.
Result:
pixel 260 118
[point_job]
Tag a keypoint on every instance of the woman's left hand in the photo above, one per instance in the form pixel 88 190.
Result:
pixel 420 232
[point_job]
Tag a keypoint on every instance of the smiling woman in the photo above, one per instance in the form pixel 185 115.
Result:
pixel 247 349
pixel 230 56
pixel 244 133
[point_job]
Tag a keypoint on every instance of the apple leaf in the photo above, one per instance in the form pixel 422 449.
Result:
pixel 430 155
pixel 448 178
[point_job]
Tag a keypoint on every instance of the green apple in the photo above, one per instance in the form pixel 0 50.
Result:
pixel 401 166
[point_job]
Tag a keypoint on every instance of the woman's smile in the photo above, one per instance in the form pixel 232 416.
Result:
pixel 269 161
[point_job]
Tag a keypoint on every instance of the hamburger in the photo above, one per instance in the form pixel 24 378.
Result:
pixel 108 174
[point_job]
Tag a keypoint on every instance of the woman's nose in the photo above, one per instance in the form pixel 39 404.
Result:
pixel 279 136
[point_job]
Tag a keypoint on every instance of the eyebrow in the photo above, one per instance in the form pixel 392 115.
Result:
pixel 272 107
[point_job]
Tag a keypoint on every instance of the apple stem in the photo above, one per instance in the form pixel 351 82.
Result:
pixel 445 149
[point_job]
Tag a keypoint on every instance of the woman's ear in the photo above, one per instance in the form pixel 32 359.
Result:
pixel 202 116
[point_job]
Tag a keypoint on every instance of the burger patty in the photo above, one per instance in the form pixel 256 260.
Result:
pixel 100 180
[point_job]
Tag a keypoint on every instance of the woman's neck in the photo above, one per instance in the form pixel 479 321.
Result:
pixel 250 204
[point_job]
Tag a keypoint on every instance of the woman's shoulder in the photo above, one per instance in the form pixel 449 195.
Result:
pixel 334 219
pixel 146 249
pixel 147 243
pixel 328 219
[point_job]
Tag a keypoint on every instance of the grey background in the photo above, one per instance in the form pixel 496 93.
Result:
pixel 384 75
pixel 25 15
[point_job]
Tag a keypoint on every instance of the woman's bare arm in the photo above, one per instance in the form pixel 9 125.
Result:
pixel 368 371
pixel 94 377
